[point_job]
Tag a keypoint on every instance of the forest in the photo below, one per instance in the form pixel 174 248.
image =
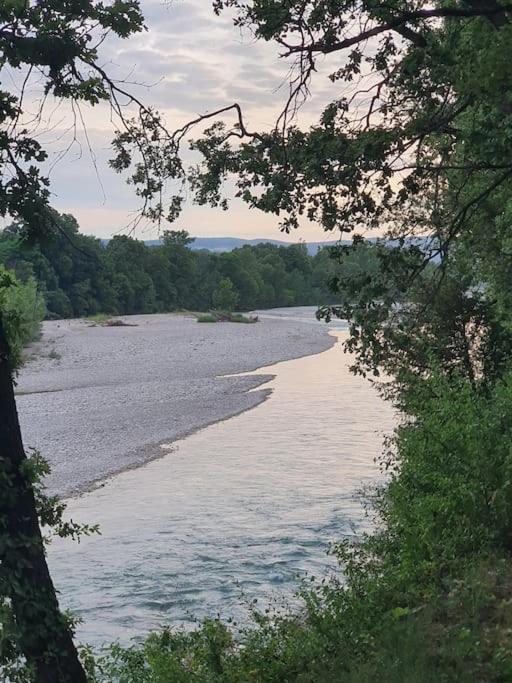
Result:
pixel 81 276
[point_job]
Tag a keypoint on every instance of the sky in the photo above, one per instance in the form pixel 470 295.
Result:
pixel 191 62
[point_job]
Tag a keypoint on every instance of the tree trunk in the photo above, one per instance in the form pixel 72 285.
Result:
pixel 44 636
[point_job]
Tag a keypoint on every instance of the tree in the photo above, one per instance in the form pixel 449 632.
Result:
pixel 182 266
pixel 404 146
pixel 53 46
pixel 126 275
pixel 225 297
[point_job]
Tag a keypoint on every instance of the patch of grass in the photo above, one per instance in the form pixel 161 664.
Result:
pixel 239 318
pixel 206 318
pixel 104 320
pixel 225 317
pixel 98 318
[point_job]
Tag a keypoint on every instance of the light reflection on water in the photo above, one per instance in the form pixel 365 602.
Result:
pixel 243 505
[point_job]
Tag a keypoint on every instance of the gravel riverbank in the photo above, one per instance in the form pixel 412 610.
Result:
pixel 98 400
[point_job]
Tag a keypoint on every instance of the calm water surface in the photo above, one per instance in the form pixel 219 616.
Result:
pixel 242 508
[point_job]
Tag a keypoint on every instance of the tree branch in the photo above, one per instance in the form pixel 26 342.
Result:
pixel 398 24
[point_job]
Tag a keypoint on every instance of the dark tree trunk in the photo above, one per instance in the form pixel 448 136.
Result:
pixel 44 637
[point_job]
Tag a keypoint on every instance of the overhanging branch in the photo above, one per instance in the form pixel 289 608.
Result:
pixel 398 24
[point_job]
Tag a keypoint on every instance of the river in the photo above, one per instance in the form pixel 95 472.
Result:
pixel 241 510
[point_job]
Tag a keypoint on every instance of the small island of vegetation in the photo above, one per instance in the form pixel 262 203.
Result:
pixel 226 317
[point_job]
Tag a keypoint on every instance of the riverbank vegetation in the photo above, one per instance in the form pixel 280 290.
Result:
pixel 416 142
pixel 226 317
pixel 428 597
pixel 23 309
pixel 79 276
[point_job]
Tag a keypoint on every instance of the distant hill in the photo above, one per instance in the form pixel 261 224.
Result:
pixel 221 244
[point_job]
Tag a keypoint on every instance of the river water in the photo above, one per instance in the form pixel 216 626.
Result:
pixel 240 510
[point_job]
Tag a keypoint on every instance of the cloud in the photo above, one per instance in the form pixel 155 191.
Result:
pixel 188 62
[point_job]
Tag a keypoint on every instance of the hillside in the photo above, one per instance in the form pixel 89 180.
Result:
pixel 223 244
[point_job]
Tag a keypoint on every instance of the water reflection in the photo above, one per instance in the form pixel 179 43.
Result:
pixel 243 505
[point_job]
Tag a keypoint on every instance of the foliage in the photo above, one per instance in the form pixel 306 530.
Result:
pixel 22 307
pixel 443 317
pixel 225 297
pixel 226 317
pixel 207 318
pixel 56 40
pixel 81 276
pixel 50 511
pixel 381 150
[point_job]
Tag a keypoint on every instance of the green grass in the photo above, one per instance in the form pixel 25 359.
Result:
pixel 98 318
pixel 225 317
pixel 239 318
pixel 104 320
pixel 206 318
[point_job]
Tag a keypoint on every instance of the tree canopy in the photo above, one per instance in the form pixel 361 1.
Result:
pixel 81 276
pixel 414 144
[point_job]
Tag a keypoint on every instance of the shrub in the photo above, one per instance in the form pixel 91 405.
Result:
pixel 22 308
pixel 225 317
pixel 58 304
pixel 207 318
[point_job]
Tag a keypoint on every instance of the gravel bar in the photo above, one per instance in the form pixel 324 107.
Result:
pixel 96 400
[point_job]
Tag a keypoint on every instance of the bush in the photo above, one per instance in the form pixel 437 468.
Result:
pixel 22 308
pixel 207 318
pixel 225 317
pixel 58 304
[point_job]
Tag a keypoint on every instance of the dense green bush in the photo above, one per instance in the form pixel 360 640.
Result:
pixel 226 317
pixel 22 308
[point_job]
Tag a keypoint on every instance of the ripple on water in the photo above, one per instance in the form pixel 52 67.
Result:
pixel 237 510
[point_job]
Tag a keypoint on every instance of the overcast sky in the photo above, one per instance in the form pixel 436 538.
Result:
pixel 194 62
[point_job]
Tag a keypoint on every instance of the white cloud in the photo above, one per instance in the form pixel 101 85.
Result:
pixel 194 62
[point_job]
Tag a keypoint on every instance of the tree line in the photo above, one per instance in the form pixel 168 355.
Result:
pixel 80 275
